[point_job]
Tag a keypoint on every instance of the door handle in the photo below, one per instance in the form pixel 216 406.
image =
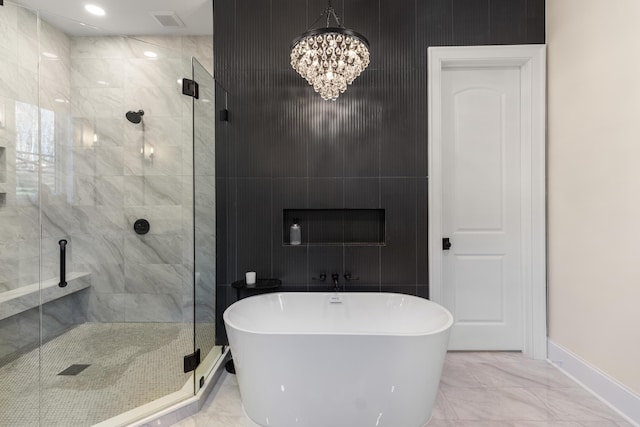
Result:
pixel 446 244
pixel 63 262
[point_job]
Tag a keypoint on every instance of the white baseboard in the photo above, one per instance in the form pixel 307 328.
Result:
pixel 617 396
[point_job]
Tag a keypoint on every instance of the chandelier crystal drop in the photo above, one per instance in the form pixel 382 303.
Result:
pixel 330 58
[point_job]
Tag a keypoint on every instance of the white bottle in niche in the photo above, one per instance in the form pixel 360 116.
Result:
pixel 294 233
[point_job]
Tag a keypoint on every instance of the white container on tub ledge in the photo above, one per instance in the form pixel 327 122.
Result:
pixel 373 359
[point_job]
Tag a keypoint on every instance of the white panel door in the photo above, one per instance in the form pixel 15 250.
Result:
pixel 481 172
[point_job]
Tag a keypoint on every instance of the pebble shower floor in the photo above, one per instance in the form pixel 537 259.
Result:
pixel 130 364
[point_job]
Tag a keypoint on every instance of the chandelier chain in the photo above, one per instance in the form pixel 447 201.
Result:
pixel 331 11
pixel 328 12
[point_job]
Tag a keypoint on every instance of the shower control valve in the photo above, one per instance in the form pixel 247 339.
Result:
pixel 141 226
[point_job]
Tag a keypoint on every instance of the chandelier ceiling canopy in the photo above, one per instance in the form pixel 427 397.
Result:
pixel 330 58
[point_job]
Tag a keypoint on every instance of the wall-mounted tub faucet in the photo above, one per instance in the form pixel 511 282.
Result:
pixel 320 278
pixel 349 278
pixel 335 277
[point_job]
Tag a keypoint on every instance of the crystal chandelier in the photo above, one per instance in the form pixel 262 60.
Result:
pixel 330 58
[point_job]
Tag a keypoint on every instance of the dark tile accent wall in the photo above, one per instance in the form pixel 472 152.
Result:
pixel 286 148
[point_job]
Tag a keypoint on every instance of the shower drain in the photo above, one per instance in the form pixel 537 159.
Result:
pixel 74 369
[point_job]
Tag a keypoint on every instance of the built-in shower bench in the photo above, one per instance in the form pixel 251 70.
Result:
pixel 26 297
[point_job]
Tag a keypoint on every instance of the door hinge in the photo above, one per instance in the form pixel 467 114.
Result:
pixel 446 244
pixel 224 115
pixel 190 88
pixel 191 361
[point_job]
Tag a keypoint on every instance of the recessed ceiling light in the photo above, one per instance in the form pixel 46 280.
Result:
pixel 49 55
pixel 94 10
pixel 150 54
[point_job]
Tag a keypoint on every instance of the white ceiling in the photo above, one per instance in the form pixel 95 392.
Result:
pixel 125 17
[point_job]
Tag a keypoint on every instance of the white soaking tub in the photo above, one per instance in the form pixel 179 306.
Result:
pixel 338 360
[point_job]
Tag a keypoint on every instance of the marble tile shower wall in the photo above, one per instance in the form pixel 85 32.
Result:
pixel 136 278
pixel 95 184
pixel 19 215
pixel 29 80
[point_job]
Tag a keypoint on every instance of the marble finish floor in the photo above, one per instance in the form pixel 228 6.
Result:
pixel 130 364
pixel 489 389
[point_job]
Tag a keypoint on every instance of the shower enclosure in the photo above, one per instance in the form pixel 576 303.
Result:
pixel 107 220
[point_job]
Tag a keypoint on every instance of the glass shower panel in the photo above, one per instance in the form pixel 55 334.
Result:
pixel 113 203
pixel 20 154
pixel 97 220
pixel 204 218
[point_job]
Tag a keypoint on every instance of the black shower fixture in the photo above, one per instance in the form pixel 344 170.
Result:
pixel 135 117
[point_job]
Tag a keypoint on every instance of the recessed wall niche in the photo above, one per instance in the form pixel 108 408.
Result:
pixel 330 227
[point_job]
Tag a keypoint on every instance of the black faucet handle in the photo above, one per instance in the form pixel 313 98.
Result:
pixel 322 278
pixel 349 278
pixel 335 277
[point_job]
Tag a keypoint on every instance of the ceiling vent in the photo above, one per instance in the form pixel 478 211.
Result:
pixel 167 19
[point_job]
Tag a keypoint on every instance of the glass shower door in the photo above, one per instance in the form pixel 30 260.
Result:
pixel 19 217
pixel 96 310
pixel 116 156
pixel 204 122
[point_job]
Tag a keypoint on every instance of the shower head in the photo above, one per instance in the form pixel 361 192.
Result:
pixel 135 117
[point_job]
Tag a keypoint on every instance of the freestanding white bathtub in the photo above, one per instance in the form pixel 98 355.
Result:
pixel 338 360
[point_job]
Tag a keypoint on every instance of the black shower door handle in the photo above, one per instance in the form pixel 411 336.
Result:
pixel 63 262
